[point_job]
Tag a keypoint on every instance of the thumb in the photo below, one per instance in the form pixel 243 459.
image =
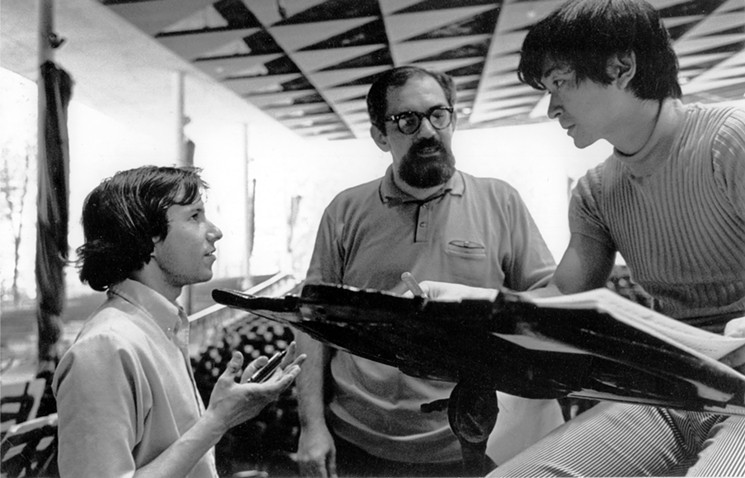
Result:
pixel 234 366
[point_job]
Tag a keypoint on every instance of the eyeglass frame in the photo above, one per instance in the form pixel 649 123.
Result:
pixel 395 118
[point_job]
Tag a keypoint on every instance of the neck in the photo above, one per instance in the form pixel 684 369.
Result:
pixel 153 278
pixel 636 127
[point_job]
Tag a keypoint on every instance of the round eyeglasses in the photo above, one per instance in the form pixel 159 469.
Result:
pixel 409 122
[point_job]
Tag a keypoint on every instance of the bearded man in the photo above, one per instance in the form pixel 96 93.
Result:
pixel 362 418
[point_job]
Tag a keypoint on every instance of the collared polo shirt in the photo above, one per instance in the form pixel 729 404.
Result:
pixel 473 231
pixel 125 389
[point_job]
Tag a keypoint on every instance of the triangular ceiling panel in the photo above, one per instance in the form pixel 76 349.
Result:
pixel 194 45
pixel 346 93
pixel 410 25
pixel 389 7
pixel 330 79
pixel 259 84
pixel 310 63
pixel 250 65
pixel 154 16
pixel 409 52
pixel 315 60
pixel 295 37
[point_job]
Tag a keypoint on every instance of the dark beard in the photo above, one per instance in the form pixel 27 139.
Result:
pixel 426 172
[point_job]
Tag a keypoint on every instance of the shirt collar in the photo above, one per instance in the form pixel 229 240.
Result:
pixel 169 316
pixel 390 191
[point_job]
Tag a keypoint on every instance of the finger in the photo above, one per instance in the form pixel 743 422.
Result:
pixel 332 464
pixel 252 367
pixel 298 360
pixel 401 289
pixel 234 366
pixel 735 359
pixel 290 355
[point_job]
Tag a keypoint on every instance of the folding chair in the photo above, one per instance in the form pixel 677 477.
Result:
pixel 19 402
pixel 29 449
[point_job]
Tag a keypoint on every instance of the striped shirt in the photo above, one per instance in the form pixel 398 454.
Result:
pixel 675 211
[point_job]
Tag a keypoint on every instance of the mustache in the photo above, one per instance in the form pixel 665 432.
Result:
pixel 425 144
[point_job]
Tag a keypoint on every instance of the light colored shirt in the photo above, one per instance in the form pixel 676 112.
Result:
pixel 125 389
pixel 475 231
pixel 676 211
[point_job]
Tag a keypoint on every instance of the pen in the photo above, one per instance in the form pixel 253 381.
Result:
pixel 412 284
pixel 264 372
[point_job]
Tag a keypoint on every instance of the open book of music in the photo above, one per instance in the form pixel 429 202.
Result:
pixel 594 345
pixel 679 334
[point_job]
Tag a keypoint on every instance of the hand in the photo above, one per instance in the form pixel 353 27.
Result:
pixel 233 403
pixel 736 358
pixel 447 291
pixel 316 453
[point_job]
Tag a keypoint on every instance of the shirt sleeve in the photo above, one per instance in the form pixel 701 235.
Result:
pixel 326 263
pixel 101 402
pixel 585 216
pixel 532 264
pixel 729 160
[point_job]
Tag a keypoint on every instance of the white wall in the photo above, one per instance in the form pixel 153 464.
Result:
pixel 539 160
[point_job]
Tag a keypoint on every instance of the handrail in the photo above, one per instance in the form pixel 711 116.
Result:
pixel 210 321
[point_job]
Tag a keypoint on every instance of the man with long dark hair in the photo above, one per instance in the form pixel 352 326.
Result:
pixel 126 397
pixel 670 200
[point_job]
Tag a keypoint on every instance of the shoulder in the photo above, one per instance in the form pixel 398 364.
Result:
pixel 113 328
pixel 495 187
pixel 721 124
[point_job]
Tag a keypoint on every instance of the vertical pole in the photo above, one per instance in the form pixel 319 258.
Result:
pixel 46 27
pixel 247 208
pixel 46 322
pixel 179 119
pixel 181 159
pixel 52 190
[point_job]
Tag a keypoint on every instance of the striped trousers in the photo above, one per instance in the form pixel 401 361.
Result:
pixel 614 439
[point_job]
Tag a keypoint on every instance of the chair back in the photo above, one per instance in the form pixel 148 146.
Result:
pixel 19 402
pixel 29 449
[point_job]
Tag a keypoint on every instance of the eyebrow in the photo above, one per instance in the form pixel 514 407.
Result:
pixel 555 69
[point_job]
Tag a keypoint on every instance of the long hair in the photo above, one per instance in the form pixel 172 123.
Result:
pixel 377 97
pixel 585 34
pixel 123 214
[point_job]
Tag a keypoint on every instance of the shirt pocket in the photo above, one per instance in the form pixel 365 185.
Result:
pixel 466 249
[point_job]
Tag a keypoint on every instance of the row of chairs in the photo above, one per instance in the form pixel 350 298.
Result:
pixel 28 444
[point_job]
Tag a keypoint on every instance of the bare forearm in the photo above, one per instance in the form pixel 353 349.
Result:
pixel 310 384
pixel 183 454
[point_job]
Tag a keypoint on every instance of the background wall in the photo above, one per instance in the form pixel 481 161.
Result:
pixel 539 160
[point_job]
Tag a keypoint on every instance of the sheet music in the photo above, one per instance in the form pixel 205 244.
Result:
pixel 707 343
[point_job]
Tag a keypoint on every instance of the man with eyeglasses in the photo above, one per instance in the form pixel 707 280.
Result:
pixel 362 418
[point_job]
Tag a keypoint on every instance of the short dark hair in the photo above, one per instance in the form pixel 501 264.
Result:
pixel 585 34
pixel 377 97
pixel 123 214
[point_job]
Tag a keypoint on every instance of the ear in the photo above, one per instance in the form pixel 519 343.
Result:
pixel 622 68
pixel 380 139
pixel 156 240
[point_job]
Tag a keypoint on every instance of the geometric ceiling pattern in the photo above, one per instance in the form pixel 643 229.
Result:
pixel 309 63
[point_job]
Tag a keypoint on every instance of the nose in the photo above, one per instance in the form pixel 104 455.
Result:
pixel 426 129
pixel 214 234
pixel 554 109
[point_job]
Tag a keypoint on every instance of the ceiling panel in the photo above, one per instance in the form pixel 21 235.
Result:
pixel 309 63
